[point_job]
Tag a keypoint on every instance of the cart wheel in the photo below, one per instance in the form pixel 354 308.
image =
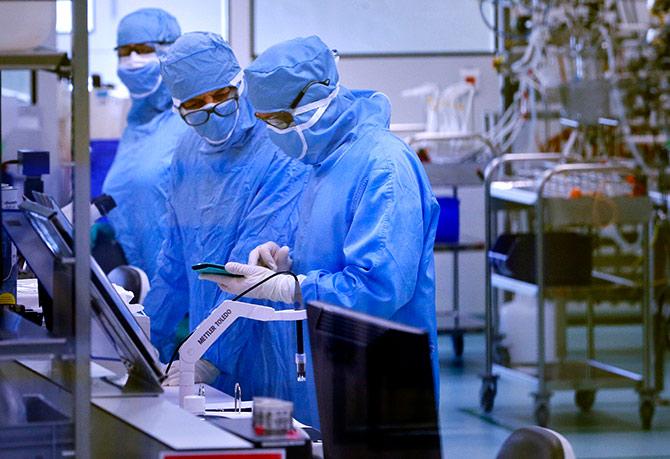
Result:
pixel 457 342
pixel 647 409
pixel 542 414
pixel 501 355
pixel 487 394
pixel 584 399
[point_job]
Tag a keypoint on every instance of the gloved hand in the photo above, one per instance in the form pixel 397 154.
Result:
pixel 205 373
pixel 279 288
pixel 270 255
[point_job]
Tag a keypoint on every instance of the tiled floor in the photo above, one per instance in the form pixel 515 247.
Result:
pixel 611 430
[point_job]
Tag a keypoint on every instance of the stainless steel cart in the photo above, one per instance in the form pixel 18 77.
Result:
pixel 506 193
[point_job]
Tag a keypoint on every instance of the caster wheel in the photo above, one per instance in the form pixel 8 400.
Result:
pixel 584 399
pixel 542 414
pixel 647 409
pixel 457 343
pixel 487 395
pixel 501 356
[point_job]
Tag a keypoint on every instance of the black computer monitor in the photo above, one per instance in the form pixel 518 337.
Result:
pixel 374 385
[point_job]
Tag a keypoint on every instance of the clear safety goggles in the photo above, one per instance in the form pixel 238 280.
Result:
pixel 286 118
pixel 199 116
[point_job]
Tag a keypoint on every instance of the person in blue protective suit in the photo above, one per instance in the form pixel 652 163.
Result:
pixel 231 189
pixel 139 174
pixel 367 217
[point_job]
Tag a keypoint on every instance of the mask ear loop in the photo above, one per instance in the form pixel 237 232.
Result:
pixel 314 119
pixel 321 106
pixel 176 103
pixel 336 56
pixel 239 82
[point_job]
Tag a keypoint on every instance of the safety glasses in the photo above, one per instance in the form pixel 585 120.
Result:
pixel 139 48
pixel 199 116
pixel 285 118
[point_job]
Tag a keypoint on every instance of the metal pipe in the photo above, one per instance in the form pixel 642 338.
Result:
pixel 539 280
pixel 82 191
pixel 455 278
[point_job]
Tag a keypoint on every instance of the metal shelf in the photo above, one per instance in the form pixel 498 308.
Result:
pixel 451 322
pixel 575 375
pixel 587 210
pixel 36 59
pixel 464 244
pixel 603 285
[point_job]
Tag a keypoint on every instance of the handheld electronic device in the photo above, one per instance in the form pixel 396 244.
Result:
pixel 213 268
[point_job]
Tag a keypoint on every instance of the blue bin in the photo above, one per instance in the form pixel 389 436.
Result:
pixel 102 157
pixel 448 223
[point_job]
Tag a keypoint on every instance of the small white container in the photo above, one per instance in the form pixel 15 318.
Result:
pixel 518 323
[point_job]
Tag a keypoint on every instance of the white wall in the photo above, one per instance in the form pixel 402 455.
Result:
pixel 428 26
pixel 391 75
pixel 209 15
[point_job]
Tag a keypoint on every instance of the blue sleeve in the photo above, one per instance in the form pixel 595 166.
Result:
pixel 382 249
pixel 168 299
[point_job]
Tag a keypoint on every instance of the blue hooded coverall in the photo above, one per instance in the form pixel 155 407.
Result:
pixel 367 216
pixel 139 175
pixel 224 199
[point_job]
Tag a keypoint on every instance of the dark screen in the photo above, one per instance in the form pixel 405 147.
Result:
pixel 374 386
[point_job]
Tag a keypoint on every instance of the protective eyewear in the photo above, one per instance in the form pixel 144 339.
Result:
pixel 285 118
pixel 139 48
pixel 221 108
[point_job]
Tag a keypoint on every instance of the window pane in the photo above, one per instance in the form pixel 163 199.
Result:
pixel 379 27
pixel 64 16
pixel 16 83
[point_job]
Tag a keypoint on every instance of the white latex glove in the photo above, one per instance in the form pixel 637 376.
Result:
pixel 205 373
pixel 279 288
pixel 125 295
pixel 270 255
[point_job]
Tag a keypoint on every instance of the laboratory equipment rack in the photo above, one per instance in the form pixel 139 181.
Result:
pixel 454 322
pixel 554 211
pixel 68 344
pixel 467 171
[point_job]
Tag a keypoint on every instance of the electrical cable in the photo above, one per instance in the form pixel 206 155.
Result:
pixel 299 329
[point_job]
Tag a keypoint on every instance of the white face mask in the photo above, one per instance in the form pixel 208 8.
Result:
pixel 140 73
pixel 136 61
pixel 320 106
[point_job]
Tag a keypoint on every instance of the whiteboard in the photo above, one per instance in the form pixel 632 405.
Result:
pixel 376 26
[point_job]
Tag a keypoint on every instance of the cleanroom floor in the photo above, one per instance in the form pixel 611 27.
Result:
pixel 611 430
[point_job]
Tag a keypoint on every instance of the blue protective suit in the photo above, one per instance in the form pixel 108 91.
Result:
pixel 367 216
pixel 224 200
pixel 139 174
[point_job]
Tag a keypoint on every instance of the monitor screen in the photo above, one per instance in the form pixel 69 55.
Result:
pixel 374 385
pixel 43 235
